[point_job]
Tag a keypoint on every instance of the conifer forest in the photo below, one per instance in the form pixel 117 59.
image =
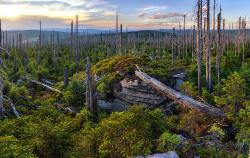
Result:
pixel 178 90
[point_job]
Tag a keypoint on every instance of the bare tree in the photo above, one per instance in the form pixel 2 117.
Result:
pixel 219 49
pixel 199 44
pixel 173 46
pixel 208 51
pixel 91 101
pixel 76 45
pixel 71 37
pixel 121 47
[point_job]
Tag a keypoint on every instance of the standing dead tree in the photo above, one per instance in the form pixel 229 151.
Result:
pixel 208 51
pixel 71 38
pixel 66 76
pixel 173 47
pixel 121 47
pixel 219 47
pixel 199 43
pixel 77 45
pixel 91 100
pixel 214 22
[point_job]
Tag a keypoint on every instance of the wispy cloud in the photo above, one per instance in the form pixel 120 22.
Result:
pixel 164 16
pixel 150 9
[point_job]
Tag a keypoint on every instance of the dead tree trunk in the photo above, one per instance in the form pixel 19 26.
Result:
pixel 244 38
pixel 71 38
pixel 194 46
pixel 199 44
pixel 214 22
pixel 77 45
pixel 218 57
pixel 44 85
pixel 179 97
pixel 91 100
pixel 173 46
pixel 208 51
pixel 121 47
pixel 66 77
pixel 185 36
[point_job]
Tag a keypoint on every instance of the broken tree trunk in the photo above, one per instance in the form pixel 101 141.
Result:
pixel 91 97
pixel 179 97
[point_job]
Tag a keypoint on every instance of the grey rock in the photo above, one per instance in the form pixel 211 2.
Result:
pixel 170 154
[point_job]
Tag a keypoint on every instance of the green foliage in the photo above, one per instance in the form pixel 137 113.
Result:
pixel 130 133
pixel 123 134
pixel 105 86
pixel 74 94
pixel 168 142
pixel 234 93
pixel 217 131
pixel 45 133
pixel 243 124
pixel 208 97
pixel 123 64
pixel 11 148
pixel 188 89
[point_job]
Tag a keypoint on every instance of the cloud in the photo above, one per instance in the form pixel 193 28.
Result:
pixel 56 9
pixel 32 22
pixel 142 15
pixel 150 9
pixel 34 3
pixel 164 16
pixel 151 25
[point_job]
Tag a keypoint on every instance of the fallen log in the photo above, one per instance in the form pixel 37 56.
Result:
pixel 12 106
pixel 179 97
pixel 45 86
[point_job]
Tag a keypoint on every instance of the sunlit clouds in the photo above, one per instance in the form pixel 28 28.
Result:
pixel 17 11
pixel 134 14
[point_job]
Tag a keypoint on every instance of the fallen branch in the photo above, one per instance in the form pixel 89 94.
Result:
pixel 44 85
pixel 179 97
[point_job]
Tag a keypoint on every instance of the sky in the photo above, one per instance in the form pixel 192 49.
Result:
pixel 100 14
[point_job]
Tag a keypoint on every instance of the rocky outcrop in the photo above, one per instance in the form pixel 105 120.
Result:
pixel 138 92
